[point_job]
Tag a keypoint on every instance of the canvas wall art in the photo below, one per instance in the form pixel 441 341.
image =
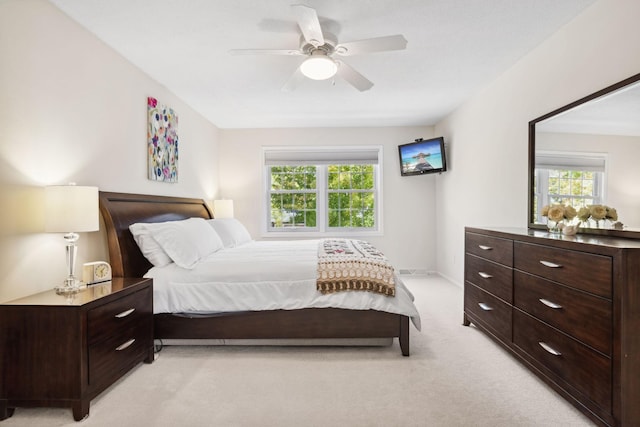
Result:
pixel 162 140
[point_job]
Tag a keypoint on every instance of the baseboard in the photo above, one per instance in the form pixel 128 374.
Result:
pixel 415 272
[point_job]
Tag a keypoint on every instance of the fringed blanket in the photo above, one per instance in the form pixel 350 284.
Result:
pixel 353 265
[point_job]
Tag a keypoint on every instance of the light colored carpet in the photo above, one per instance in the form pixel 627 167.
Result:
pixel 455 377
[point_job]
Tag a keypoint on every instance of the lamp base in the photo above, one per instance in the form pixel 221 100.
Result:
pixel 70 285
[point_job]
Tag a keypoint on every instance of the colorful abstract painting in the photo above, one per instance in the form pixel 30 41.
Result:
pixel 162 138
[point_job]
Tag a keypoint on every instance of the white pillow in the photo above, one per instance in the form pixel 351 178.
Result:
pixel 231 231
pixel 148 245
pixel 188 241
pixel 185 242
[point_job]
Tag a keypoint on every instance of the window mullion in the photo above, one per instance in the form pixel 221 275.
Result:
pixel 322 183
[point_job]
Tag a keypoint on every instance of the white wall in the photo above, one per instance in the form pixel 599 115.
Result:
pixel 488 135
pixel 409 210
pixel 71 109
pixel 623 174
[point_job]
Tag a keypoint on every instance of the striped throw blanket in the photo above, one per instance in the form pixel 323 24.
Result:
pixel 353 265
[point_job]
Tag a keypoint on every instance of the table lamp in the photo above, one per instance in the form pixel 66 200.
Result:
pixel 223 208
pixel 71 209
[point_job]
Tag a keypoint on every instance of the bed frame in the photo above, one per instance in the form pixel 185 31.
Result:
pixel 119 210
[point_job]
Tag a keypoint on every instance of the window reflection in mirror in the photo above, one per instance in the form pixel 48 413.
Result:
pixel 588 153
pixel 572 178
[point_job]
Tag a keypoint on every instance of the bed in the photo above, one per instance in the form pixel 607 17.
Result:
pixel 121 210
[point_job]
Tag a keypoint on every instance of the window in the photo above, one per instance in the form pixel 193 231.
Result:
pixel 293 196
pixel 322 190
pixel 576 179
pixel 351 196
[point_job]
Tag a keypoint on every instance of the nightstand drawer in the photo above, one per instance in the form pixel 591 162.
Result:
pixel 588 272
pixel 109 319
pixel 491 248
pixel 491 311
pixel 119 353
pixel 584 369
pixel 583 316
pixel 490 276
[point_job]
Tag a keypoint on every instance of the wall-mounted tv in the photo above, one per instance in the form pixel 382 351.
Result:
pixel 422 156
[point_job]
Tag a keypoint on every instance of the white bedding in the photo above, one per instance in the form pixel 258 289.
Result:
pixel 265 275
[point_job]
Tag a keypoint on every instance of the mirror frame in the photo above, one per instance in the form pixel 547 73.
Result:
pixel 532 155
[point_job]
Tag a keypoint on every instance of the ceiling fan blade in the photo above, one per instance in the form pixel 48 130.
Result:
pixel 294 81
pixel 353 77
pixel 288 52
pixel 377 44
pixel 309 24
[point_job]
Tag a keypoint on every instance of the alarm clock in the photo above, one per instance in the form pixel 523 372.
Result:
pixel 96 272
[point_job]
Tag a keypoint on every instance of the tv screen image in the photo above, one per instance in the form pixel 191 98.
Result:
pixel 422 157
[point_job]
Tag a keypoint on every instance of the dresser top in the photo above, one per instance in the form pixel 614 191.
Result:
pixel 530 234
pixel 84 296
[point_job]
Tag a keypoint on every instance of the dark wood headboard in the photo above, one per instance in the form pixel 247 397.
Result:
pixel 120 210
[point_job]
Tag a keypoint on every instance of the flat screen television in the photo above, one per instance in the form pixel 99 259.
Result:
pixel 422 156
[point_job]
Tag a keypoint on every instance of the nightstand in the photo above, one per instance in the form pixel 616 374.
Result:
pixel 64 350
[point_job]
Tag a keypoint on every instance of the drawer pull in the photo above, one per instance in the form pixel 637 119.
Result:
pixel 549 349
pixel 550 304
pixel 550 264
pixel 125 313
pixel 485 307
pixel 485 248
pixel 484 275
pixel 125 345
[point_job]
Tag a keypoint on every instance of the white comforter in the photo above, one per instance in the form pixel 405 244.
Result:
pixel 265 275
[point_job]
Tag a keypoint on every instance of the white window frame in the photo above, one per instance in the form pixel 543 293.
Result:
pixel 267 209
pixel 321 157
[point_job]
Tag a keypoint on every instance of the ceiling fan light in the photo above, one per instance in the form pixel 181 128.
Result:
pixel 319 67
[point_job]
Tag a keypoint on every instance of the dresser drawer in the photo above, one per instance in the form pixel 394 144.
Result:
pixel 490 276
pixel 491 248
pixel 109 318
pixel 489 310
pixel 586 370
pixel 119 353
pixel 583 316
pixel 588 272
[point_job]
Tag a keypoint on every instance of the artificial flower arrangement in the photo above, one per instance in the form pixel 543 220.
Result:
pixel 560 216
pixel 558 212
pixel 597 213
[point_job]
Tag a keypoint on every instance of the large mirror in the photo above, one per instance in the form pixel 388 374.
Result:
pixel 587 153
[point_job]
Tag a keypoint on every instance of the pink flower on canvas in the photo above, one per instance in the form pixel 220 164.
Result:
pixel 152 102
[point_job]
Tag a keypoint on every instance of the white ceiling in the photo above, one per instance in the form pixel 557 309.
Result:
pixel 455 47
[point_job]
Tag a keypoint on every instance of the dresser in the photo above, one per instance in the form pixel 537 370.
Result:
pixel 63 350
pixel 567 307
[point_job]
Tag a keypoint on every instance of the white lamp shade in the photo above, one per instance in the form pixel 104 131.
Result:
pixel 71 208
pixel 223 208
pixel 319 67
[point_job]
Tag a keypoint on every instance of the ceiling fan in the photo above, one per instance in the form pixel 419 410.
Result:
pixel 320 49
